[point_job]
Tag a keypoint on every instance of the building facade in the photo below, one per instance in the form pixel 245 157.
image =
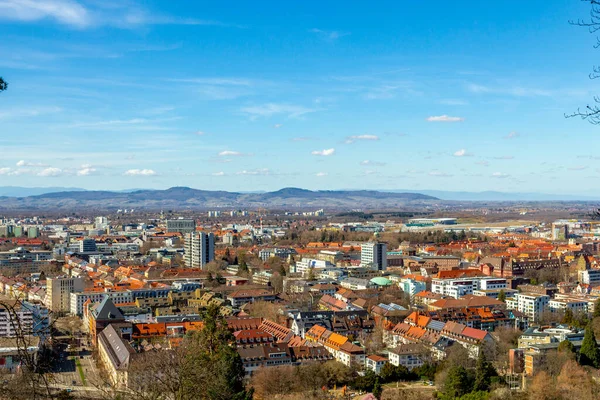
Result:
pixel 199 249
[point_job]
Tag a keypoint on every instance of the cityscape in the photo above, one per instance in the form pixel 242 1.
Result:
pixel 291 201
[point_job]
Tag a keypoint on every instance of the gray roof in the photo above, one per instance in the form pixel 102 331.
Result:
pixel 118 350
pixel 107 310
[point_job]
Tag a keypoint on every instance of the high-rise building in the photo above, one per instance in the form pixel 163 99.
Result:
pixel 58 292
pixel 374 255
pixel 199 249
pixel 181 225
pixel 560 231
pixel 33 232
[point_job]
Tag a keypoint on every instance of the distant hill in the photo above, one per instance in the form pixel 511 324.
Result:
pixel 188 198
pixel 18 191
pixel 499 196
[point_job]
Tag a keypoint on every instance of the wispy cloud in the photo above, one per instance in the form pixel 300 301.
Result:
pixel 220 88
pixel 27 112
pixel 220 173
pixel 321 174
pixel 80 15
pixel 372 163
pixel 326 152
pixel 300 139
pixel 330 35
pixel 517 91
pixel 444 118
pixel 578 168
pixel 277 126
pixel 260 171
pixel 512 135
pixel 231 153
pixel 354 138
pixel 500 175
pixel 483 162
pixel 454 102
pixel 200 133
pixel 504 158
pixel 140 172
pixel 23 163
pixel 270 109
pixel 439 174
pixel 65 12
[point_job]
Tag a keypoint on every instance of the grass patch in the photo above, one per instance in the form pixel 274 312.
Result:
pixel 80 370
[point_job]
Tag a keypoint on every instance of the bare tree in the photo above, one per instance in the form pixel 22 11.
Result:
pixel 591 113
pixel 31 380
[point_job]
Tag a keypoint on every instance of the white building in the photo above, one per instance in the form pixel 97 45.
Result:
pixel 374 254
pixel 589 276
pixel 375 363
pixel 199 249
pixel 560 306
pixel 460 287
pixel 407 355
pixel 25 318
pixel 412 286
pixel 533 305
pixel 306 265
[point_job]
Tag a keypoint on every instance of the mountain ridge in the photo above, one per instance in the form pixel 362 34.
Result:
pixel 181 197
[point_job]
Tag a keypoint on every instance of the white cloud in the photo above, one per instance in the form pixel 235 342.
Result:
pixel 444 118
pixel 512 135
pixel 23 163
pixel 270 109
pixel 354 138
pixel 461 153
pixel 66 12
pixel 50 171
pixel 199 133
pixel 140 172
pixel 86 171
pixel 483 162
pixel 220 173
pixel 500 175
pixel 321 174
pixel 578 168
pixel 230 153
pixel 372 163
pixel 5 171
pixel 277 126
pixel 326 152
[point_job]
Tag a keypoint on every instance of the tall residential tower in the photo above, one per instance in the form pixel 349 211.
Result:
pixel 199 249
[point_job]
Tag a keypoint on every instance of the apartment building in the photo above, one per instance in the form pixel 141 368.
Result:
pixel 374 255
pixel 532 305
pixel 199 249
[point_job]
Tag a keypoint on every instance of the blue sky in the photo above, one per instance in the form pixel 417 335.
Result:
pixel 107 94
